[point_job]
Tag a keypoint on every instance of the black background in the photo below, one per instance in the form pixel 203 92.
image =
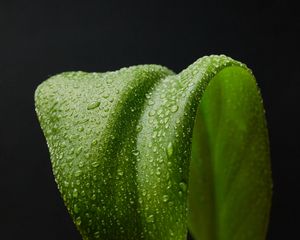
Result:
pixel 39 39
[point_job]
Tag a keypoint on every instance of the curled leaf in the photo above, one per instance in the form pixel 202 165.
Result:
pixel 142 153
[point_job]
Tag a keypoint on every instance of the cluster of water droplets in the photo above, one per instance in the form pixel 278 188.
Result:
pixel 120 145
pixel 79 115
pixel 165 143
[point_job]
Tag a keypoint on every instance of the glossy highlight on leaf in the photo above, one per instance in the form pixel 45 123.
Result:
pixel 143 153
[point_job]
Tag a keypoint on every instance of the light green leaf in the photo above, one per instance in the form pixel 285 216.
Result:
pixel 142 153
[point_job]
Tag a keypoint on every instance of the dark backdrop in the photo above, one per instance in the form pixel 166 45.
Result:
pixel 39 39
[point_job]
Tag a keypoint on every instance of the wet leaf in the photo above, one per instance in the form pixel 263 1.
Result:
pixel 143 153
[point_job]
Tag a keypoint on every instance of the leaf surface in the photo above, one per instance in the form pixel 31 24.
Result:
pixel 142 153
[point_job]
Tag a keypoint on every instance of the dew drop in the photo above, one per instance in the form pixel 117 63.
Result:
pixel 77 173
pixel 66 183
pixel 170 149
pixel 150 103
pixel 95 164
pixel 78 221
pixel 139 128
pixel 174 108
pixel 109 80
pixel 93 105
pixel 151 113
pixel 150 219
pixel 78 151
pixel 76 209
pixel 165 198
pixel 94 197
pixel 94 142
pixel 75 193
pixel 183 186
pixel 135 152
pixel 97 234
pixel 154 135
pixel 120 172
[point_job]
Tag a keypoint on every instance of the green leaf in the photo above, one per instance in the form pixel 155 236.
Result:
pixel 142 153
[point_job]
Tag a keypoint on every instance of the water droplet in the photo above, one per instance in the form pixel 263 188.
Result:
pixel 78 151
pixel 93 105
pixel 109 80
pixel 165 198
pixel 150 219
pixel 90 222
pixel 75 193
pixel 95 164
pixel 183 186
pixel 150 103
pixel 76 209
pixel 66 183
pixel 49 131
pixel 155 149
pixel 151 113
pixel 97 234
pixel 139 127
pixel 77 173
pixel 135 152
pixel 94 197
pixel 174 108
pixel 170 149
pixel 163 96
pixel 120 172
pixel 78 221
pixel 154 135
